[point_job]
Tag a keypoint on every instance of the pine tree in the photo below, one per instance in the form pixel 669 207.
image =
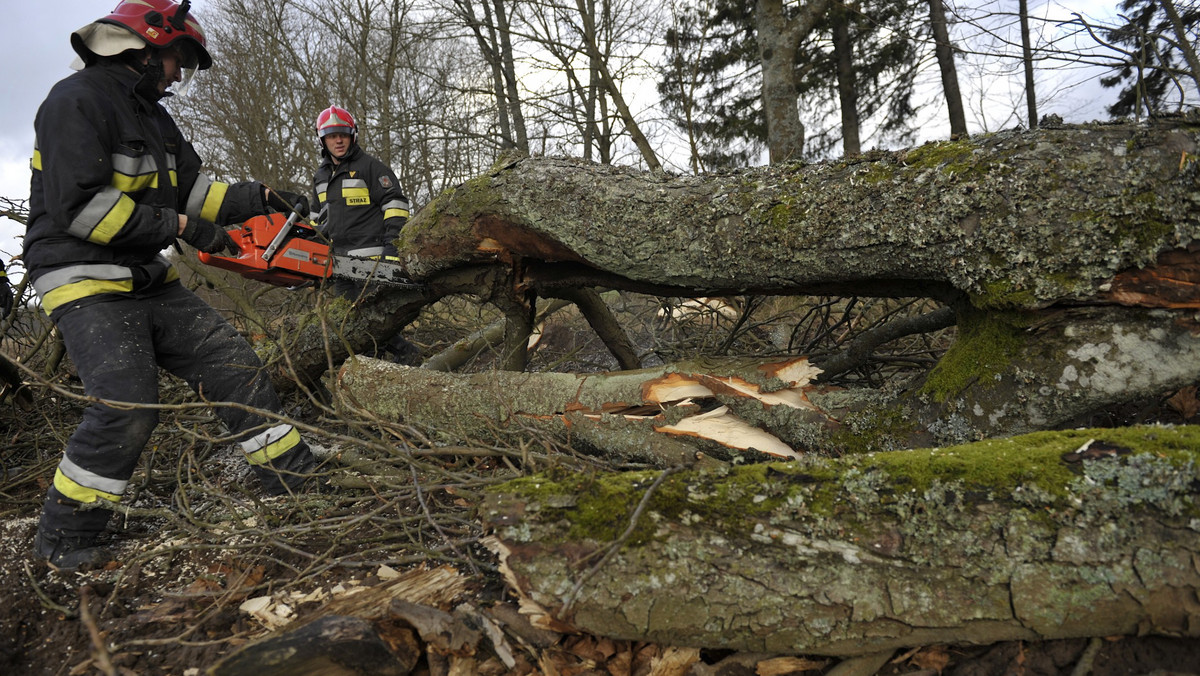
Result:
pixel 1150 76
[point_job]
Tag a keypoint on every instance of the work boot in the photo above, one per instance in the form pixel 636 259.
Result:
pixel 69 554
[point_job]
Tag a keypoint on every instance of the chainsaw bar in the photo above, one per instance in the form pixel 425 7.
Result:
pixel 370 270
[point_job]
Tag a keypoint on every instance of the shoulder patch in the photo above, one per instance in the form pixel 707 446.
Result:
pixel 385 181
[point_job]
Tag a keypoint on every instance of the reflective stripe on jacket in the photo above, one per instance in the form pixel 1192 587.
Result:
pixel 111 173
pixel 360 202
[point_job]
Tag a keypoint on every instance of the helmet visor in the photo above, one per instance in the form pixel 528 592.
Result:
pixel 187 76
pixel 336 129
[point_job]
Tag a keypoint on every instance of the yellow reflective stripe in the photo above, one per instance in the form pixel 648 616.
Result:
pixel 132 174
pixel 88 287
pixel 321 197
pixel 36 161
pixel 126 183
pixel 274 449
pixel 75 491
pixel 111 224
pixel 392 213
pixel 213 202
pixel 356 192
pixel 174 178
pixel 172 274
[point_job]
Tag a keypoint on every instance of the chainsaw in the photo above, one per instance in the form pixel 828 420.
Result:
pixel 286 251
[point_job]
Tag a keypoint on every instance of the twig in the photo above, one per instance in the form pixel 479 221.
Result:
pixel 436 526
pixel 100 656
pixel 46 600
pixel 1088 658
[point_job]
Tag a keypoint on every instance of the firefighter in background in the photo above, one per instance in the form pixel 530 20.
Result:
pixel 6 294
pixel 114 183
pixel 360 207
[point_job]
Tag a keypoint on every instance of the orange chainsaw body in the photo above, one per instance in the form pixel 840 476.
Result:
pixel 276 250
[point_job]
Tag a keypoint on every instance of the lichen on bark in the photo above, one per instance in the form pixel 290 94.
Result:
pixel 871 552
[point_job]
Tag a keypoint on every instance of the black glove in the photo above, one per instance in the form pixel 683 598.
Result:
pixel 284 202
pixel 209 238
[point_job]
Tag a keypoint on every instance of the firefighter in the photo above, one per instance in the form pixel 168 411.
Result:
pixel 360 205
pixel 114 183
pixel 6 294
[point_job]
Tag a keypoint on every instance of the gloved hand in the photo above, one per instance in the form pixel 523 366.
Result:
pixel 284 201
pixel 208 238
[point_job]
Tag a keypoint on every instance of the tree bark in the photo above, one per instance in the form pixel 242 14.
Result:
pixel 1028 538
pixel 723 410
pixel 779 37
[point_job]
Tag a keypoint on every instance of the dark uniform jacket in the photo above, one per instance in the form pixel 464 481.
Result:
pixel 360 203
pixel 6 294
pixel 111 173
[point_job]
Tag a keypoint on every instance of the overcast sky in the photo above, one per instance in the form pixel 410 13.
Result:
pixel 35 48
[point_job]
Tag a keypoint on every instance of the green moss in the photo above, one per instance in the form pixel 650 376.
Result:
pixel 987 343
pixel 878 172
pixel 954 158
pixel 1143 226
pixel 779 216
pixel 1029 469
pixel 1003 294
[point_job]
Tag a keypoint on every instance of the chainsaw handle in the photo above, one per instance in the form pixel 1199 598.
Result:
pixel 280 236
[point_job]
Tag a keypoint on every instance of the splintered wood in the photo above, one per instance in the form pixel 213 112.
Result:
pixel 720 409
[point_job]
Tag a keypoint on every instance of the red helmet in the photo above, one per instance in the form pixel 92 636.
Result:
pixel 334 120
pixel 162 24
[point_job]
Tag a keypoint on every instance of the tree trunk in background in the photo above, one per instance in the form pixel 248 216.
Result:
pixel 778 39
pixel 510 77
pixel 945 57
pixel 1027 59
pixel 847 90
pixel 489 47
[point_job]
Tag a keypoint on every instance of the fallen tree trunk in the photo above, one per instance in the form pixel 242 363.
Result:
pixel 722 409
pixel 1066 253
pixel 1036 537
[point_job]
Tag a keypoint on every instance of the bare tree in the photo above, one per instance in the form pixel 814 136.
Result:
pixel 1027 60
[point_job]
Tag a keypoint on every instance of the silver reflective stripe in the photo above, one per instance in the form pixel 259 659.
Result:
pixel 95 211
pixel 171 161
pixel 264 439
pixel 195 200
pixel 322 187
pixel 78 273
pixel 396 204
pixel 91 480
pixel 354 183
pixel 134 166
pixel 365 252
